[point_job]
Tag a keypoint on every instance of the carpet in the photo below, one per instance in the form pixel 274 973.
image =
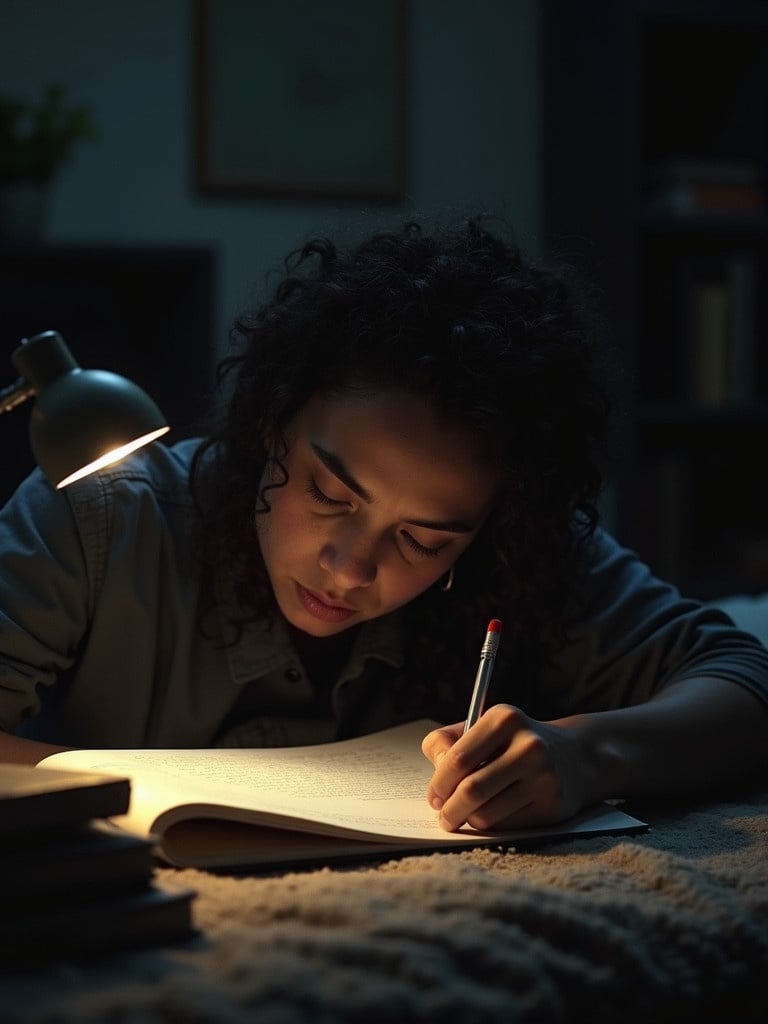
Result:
pixel 669 925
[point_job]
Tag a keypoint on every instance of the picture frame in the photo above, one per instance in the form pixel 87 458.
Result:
pixel 301 100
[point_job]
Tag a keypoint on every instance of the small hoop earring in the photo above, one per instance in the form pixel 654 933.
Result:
pixel 446 582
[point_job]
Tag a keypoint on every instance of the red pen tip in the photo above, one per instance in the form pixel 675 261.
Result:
pixel 494 626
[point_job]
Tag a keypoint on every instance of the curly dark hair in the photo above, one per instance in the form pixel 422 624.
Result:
pixel 501 345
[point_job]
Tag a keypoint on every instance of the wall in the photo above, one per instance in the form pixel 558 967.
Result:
pixel 472 129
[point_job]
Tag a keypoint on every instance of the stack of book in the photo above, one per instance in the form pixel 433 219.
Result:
pixel 72 884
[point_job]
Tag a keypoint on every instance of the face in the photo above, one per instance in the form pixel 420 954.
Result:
pixel 382 497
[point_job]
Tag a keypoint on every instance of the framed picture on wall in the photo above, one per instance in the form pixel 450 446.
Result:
pixel 302 99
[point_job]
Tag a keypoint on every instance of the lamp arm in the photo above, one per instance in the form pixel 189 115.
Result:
pixel 15 394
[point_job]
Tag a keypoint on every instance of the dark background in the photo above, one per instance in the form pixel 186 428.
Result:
pixel 551 112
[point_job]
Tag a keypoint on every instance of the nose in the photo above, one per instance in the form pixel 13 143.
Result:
pixel 350 560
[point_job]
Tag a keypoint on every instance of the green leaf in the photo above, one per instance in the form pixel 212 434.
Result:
pixel 37 139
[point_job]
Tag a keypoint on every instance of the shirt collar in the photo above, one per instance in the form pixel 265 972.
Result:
pixel 380 639
pixel 265 646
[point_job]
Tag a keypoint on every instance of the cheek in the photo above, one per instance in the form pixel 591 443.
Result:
pixel 404 585
pixel 399 584
pixel 287 527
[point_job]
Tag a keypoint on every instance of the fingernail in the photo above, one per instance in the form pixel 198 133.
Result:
pixel 437 802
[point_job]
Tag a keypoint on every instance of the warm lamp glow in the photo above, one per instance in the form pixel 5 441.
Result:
pixel 112 456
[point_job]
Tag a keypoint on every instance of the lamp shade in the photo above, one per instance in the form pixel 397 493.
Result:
pixel 82 420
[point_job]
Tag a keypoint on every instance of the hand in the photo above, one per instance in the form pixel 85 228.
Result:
pixel 508 771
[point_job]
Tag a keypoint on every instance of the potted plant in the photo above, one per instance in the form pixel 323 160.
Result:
pixel 36 140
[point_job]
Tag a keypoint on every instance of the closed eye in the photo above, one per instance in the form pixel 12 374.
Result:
pixel 420 549
pixel 408 539
pixel 320 496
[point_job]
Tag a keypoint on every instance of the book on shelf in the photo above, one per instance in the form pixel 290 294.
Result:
pixel 689 199
pixel 276 807
pixel 687 187
pixel 709 349
pixel 722 349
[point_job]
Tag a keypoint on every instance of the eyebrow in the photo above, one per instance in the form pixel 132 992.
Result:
pixel 334 465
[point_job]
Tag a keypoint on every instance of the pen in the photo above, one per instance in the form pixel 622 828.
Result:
pixel 484 669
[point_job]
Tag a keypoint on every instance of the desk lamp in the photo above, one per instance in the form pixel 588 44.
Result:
pixel 82 420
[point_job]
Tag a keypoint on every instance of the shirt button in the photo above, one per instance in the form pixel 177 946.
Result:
pixel 293 675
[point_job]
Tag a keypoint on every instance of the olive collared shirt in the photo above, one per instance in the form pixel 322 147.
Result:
pixel 100 646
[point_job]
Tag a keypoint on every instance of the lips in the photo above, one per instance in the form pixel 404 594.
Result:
pixel 319 608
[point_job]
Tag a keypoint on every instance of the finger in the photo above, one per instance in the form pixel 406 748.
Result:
pixel 489 737
pixel 451 766
pixel 530 802
pixel 489 786
pixel 437 742
pixel 462 784
pixel 502 785
pixel 435 746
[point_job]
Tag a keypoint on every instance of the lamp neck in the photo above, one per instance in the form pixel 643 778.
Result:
pixel 14 395
pixel 43 358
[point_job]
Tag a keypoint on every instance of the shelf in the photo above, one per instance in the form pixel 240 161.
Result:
pixel 670 100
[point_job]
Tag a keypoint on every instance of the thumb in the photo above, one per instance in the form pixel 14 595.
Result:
pixel 437 743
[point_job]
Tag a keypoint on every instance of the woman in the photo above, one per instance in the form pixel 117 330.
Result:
pixel 411 447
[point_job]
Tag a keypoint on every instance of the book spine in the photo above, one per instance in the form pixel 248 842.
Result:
pixel 687 199
pixel 685 188
pixel 722 341
pixel 709 358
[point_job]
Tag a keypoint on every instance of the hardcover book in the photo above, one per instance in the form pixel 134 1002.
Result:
pixel 72 864
pixel 86 929
pixel 33 798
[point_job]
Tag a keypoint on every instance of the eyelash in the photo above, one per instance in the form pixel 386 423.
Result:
pixel 419 548
pixel 319 496
pixel 314 492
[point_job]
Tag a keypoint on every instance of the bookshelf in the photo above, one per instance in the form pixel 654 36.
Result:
pixel 145 312
pixel 655 162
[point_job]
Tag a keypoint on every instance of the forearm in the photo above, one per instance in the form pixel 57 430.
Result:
pixel 17 750
pixel 695 736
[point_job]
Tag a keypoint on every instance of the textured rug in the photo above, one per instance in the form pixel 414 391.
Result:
pixel 671 925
